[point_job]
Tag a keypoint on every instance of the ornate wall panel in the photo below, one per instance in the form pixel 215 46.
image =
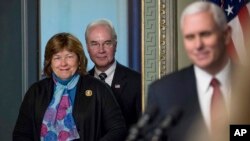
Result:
pixel 158 41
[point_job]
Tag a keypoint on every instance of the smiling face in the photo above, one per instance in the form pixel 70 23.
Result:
pixel 64 64
pixel 204 42
pixel 101 46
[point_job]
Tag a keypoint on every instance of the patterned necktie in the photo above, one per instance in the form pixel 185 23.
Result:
pixel 103 76
pixel 218 109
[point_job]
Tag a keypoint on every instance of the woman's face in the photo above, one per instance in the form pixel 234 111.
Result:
pixel 64 64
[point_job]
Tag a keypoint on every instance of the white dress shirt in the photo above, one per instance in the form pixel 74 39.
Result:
pixel 110 73
pixel 205 91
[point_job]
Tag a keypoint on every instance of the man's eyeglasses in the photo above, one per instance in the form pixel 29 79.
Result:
pixel 106 44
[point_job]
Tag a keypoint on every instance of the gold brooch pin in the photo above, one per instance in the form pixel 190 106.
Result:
pixel 88 93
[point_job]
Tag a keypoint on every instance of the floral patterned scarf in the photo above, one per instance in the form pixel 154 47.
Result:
pixel 58 122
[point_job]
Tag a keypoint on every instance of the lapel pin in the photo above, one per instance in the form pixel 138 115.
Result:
pixel 117 86
pixel 88 93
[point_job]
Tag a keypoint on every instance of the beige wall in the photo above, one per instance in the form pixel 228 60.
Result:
pixel 182 57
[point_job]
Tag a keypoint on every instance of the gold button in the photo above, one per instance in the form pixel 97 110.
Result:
pixel 88 93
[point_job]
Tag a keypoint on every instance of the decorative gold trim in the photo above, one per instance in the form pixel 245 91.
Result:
pixel 162 39
pixel 159 39
pixel 168 39
pixel 142 56
pixel 159 42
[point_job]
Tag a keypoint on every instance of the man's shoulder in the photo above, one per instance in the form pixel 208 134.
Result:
pixel 127 70
pixel 177 76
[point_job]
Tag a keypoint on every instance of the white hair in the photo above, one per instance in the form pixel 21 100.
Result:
pixel 205 6
pixel 104 22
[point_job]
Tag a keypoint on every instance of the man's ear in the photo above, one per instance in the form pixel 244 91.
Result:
pixel 87 47
pixel 228 33
pixel 115 45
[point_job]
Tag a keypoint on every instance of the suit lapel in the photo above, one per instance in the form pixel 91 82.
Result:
pixel 194 105
pixel 119 81
pixel 92 71
pixel 84 96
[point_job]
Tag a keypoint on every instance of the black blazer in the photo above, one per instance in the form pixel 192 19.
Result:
pixel 97 116
pixel 178 90
pixel 126 86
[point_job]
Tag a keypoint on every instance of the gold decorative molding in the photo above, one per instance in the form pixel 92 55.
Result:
pixel 158 41
pixel 168 38
pixel 163 27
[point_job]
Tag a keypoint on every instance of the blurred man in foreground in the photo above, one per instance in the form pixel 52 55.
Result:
pixel 202 90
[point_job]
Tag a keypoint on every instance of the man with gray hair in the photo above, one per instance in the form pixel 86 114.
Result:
pixel 202 90
pixel 101 40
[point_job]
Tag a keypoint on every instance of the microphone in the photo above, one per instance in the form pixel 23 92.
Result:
pixel 135 130
pixel 170 120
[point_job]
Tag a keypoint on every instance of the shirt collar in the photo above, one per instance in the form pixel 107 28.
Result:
pixel 109 71
pixel 224 75
pixel 203 78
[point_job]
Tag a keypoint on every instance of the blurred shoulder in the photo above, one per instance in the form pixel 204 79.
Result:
pixel 175 77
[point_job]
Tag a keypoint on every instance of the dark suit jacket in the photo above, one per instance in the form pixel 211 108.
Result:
pixel 128 94
pixel 178 90
pixel 97 117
